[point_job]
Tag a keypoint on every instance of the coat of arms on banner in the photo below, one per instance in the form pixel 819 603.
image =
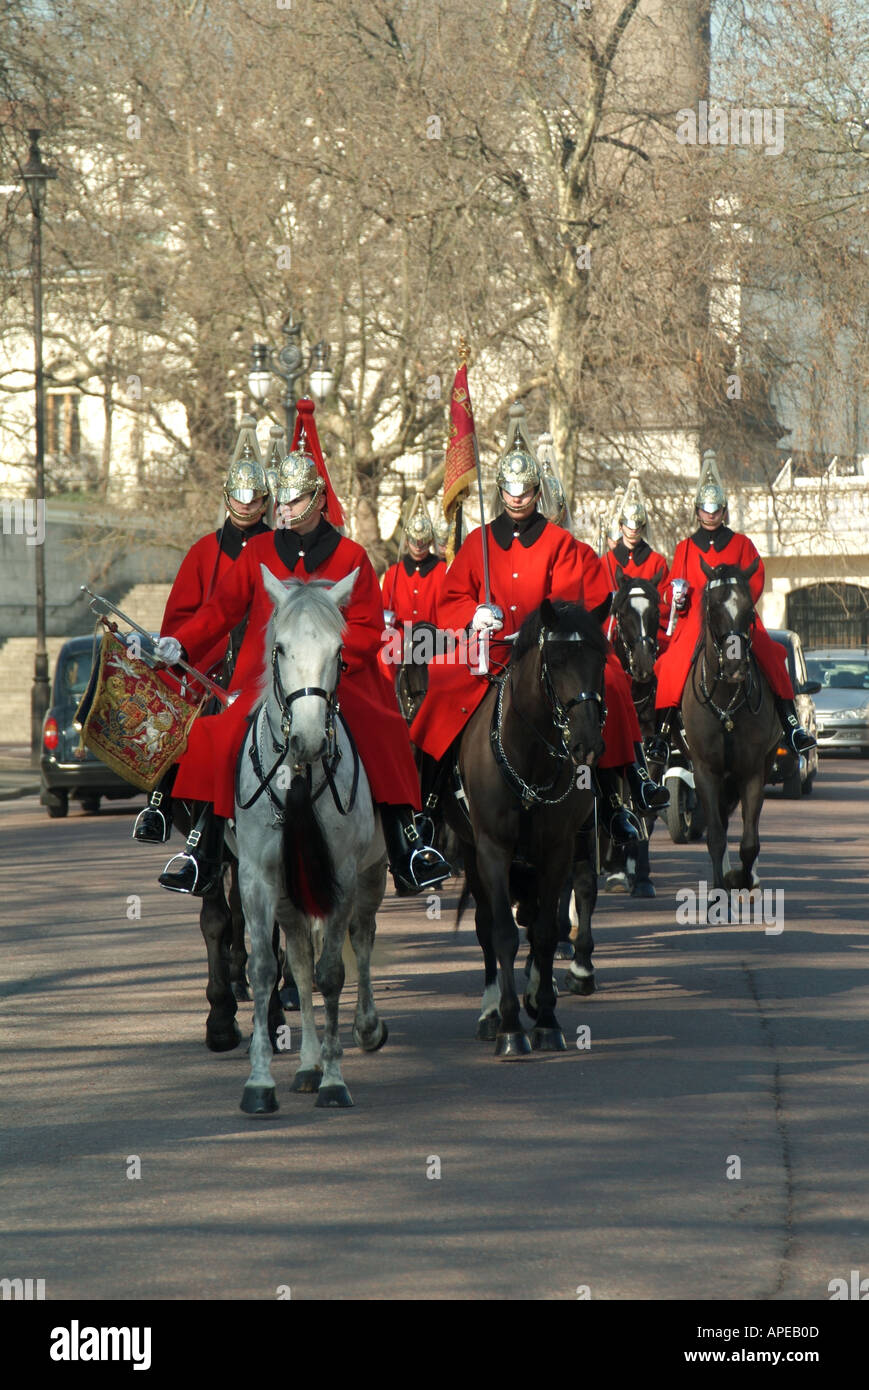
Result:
pixel 130 719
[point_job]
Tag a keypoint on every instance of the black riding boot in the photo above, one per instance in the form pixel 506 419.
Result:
pixel 154 825
pixel 415 865
pixel 432 778
pixel 799 740
pixel 617 820
pixel 648 795
pixel 658 743
pixel 202 861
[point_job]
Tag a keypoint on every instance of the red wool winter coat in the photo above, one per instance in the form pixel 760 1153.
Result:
pixel 200 572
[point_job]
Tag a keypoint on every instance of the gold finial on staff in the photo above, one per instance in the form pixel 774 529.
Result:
pixel 464 350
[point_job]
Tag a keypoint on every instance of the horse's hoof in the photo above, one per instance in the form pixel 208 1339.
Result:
pixel 241 991
pixel 530 1009
pixel 487 1028
pixel 617 883
pixel 547 1040
pixel 643 888
pixel 334 1098
pixel 222 1039
pixel 579 984
pixel 369 1046
pixel 564 951
pixel 512 1045
pixel 259 1100
pixel 307 1082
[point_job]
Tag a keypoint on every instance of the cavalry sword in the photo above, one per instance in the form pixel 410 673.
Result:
pixel 103 606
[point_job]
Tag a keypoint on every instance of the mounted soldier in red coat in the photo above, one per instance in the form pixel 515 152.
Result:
pixel 410 587
pixel 632 557
pixel 410 594
pixel 529 559
pixel 713 544
pixel 308 546
pixel 207 562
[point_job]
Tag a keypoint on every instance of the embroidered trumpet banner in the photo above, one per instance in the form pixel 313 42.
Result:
pixel 129 719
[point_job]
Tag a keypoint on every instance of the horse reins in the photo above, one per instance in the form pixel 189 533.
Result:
pixel 744 684
pixel 527 792
pixel 329 760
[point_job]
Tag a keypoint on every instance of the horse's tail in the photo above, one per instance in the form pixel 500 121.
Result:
pixel 463 902
pixel 309 870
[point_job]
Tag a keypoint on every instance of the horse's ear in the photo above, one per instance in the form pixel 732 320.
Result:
pixel 752 569
pixel 341 592
pixel 548 616
pixel 602 610
pixel 708 570
pixel 620 574
pixel 273 586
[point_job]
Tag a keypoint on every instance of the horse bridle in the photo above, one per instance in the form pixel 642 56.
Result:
pixel 286 701
pixel 743 684
pixel 330 759
pixel 644 640
pixel 559 711
pixel 718 643
pixel 528 793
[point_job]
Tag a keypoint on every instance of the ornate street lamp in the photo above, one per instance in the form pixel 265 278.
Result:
pixel 36 176
pixel 290 366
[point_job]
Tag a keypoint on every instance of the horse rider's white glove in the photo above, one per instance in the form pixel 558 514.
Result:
pixel 487 619
pixel 681 590
pixel 168 650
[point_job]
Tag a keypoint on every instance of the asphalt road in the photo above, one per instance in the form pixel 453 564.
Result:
pixel 714 1050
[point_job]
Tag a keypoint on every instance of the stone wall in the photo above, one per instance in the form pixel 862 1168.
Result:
pixel 111 556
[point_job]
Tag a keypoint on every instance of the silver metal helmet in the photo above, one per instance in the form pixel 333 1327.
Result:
pixel 711 495
pixel 419 529
pixel 297 476
pixel 245 479
pixel 518 472
pixel 633 515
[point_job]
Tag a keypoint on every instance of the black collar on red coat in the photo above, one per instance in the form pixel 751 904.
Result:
pixel 425 566
pixel 231 539
pixel 640 553
pixel 712 540
pixel 315 548
pixel 504 529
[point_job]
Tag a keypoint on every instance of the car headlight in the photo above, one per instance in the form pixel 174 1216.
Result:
pixel 860 714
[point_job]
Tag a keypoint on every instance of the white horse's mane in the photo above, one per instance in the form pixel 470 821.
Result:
pixel 303 600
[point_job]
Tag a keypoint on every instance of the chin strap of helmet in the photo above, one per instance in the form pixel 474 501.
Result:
pixel 290 522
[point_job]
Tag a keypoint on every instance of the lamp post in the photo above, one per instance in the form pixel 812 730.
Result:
pixel 36 176
pixel 289 365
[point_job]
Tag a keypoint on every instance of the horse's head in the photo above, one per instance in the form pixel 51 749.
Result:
pixel 303 660
pixel 636 610
pixel 411 676
pixel 728 610
pixel 571 651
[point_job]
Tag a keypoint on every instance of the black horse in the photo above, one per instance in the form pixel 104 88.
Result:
pixel 730 720
pixel 525 760
pixel 221 921
pixel 636 615
pixel 411 673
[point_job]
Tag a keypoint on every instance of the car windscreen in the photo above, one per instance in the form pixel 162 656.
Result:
pixel 72 675
pixel 838 674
